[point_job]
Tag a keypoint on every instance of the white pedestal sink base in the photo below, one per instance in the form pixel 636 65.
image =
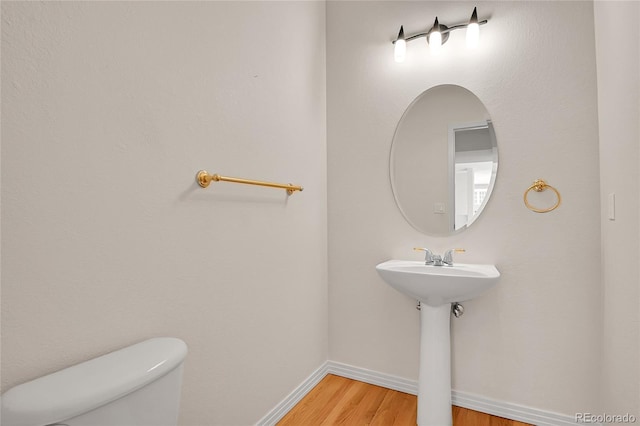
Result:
pixel 434 382
pixel 439 286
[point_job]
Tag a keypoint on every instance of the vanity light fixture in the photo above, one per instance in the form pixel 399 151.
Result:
pixel 438 35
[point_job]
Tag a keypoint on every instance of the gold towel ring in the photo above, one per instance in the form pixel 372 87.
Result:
pixel 540 185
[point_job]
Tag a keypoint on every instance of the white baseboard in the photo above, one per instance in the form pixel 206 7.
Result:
pixel 512 411
pixel 504 409
pixel 372 377
pixel 283 407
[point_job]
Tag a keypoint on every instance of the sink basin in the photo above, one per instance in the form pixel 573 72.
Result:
pixel 438 285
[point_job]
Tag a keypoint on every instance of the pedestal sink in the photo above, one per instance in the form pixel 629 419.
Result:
pixel 436 287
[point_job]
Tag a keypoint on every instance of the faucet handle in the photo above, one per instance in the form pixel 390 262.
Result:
pixel 448 255
pixel 428 256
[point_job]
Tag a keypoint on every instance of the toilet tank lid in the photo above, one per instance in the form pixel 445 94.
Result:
pixel 83 387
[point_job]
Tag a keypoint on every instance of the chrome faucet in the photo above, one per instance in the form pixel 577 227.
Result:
pixel 436 259
pixel 428 256
pixel 448 256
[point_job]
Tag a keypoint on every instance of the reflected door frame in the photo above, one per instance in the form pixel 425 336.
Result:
pixel 451 169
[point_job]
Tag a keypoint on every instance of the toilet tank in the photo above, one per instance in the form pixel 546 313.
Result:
pixel 135 386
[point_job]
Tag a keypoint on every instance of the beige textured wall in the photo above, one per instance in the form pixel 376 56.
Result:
pixel 618 54
pixel 108 111
pixel 535 338
pixel 141 95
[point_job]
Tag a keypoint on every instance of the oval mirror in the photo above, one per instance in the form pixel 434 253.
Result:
pixel 444 159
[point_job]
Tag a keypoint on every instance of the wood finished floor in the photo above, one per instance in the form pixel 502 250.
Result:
pixel 340 401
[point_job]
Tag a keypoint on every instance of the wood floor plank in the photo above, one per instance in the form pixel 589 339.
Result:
pixel 318 403
pixel 407 408
pixel 386 414
pixel 395 408
pixel 366 409
pixel 344 411
pixel 462 416
pixel 337 401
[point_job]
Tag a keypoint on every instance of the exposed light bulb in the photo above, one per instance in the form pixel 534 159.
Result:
pixel 435 38
pixel 473 30
pixel 400 46
pixel 399 50
pixel 473 35
pixel 435 42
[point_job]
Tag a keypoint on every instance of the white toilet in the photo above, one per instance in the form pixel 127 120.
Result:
pixel 135 386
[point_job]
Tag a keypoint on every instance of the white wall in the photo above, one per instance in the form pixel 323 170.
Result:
pixel 535 338
pixel 109 110
pixel 618 63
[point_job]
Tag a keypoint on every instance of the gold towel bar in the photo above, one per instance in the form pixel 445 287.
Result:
pixel 204 179
pixel 540 185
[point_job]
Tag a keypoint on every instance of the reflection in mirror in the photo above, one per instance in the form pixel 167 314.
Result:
pixel 444 160
pixel 474 164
